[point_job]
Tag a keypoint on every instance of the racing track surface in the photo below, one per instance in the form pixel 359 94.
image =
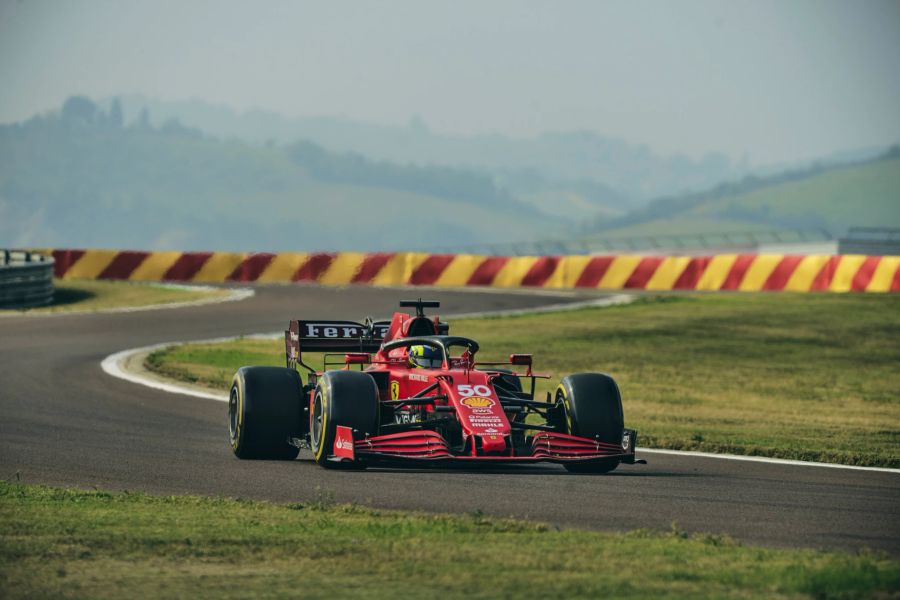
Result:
pixel 65 422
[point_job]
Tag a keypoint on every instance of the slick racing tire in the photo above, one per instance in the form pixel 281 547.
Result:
pixel 265 410
pixel 593 409
pixel 348 398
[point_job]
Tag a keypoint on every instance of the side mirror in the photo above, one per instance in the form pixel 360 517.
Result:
pixel 520 359
pixel 357 358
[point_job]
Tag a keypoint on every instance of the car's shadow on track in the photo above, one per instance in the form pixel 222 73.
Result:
pixel 545 470
pixel 523 471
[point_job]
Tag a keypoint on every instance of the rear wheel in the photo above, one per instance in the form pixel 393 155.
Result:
pixel 593 409
pixel 265 411
pixel 348 398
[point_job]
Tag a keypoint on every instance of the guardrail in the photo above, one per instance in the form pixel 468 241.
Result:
pixel 870 240
pixel 26 279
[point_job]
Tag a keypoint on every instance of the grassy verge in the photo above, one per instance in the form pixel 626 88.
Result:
pixel 88 295
pixel 809 377
pixel 70 543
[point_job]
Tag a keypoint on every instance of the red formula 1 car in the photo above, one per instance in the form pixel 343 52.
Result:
pixel 420 397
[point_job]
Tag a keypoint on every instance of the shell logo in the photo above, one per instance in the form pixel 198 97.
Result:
pixel 477 402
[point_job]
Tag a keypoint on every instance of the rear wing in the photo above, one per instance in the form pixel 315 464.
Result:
pixel 332 336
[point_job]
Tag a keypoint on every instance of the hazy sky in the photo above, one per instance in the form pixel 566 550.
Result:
pixel 780 80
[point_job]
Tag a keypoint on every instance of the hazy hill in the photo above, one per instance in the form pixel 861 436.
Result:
pixel 101 177
pixel 84 178
pixel 630 173
pixel 830 198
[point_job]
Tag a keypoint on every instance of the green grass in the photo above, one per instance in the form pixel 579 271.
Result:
pixel 862 195
pixel 856 195
pixel 800 376
pixel 91 544
pixel 88 295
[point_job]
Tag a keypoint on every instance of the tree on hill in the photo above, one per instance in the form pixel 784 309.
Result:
pixel 143 120
pixel 444 182
pixel 73 179
pixel 79 109
pixel 115 114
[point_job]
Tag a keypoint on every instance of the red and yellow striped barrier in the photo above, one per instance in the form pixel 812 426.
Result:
pixel 740 272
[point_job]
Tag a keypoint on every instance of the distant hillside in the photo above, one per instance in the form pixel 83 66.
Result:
pixel 631 173
pixel 830 198
pixel 84 178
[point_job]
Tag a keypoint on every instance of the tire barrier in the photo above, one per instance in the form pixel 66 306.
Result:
pixel 26 279
pixel 737 272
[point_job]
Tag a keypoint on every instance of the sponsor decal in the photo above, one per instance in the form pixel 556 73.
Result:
pixel 486 423
pixel 417 377
pixel 314 330
pixel 480 415
pixel 477 402
pixel 343 442
pixel 406 417
pixel 340 330
pixel 395 390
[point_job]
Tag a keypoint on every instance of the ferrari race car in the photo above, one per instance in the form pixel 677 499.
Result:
pixel 420 397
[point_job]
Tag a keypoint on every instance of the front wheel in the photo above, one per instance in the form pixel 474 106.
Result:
pixel 593 409
pixel 342 398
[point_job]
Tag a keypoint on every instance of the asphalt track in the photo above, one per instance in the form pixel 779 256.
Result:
pixel 65 422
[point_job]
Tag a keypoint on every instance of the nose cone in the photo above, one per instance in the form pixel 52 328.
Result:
pixel 479 410
pixel 493 443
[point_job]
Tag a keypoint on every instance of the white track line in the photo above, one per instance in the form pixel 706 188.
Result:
pixel 763 459
pixel 562 307
pixel 476 289
pixel 114 365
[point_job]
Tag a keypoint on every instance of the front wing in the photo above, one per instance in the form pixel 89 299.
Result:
pixel 425 446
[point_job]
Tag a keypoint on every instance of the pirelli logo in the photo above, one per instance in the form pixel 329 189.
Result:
pixel 733 272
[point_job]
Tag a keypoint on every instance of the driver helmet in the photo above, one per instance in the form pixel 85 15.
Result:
pixel 426 357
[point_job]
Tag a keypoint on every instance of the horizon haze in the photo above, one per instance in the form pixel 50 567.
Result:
pixel 765 82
